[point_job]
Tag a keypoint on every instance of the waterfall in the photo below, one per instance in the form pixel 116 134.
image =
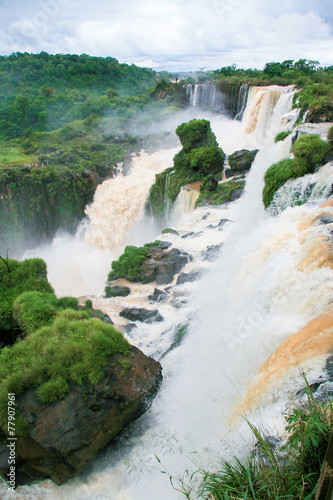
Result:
pixel 119 203
pixel 184 204
pixel 242 98
pixel 205 96
pixel 267 284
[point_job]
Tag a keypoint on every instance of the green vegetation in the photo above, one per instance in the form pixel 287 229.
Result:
pixel 222 194
pixel 126 364
pixel 330 137
pixel 76 117
pixel 18 277
pixel 199 157
pixel 309 152
pixel 129 264
pixel 315 83
pixel 312 149
pixel 74 348
pixel 281 136
pixel 273 471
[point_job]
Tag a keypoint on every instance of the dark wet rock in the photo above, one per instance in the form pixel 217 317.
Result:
pixel 212 252
pixel 116 291
pixel 188 235
pixel 237 193
pixel 240 162
pixel 223 221
pixel 161 266
pixel 107 319
pixel 210 183
pixel 188 277
pixel 141 314
pixel 129 327
pixel 204 217
pixel 63 436
pixel 179 303
pixel 157 295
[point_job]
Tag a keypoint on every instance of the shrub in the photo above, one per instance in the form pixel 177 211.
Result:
pixel 74 348
pixel 279 173
pixel 28 275
pixel 330 136
pixel 196 134
pixel 312 149
pixel 281 136
pixel 129 264
pixel 67 303
pixel 207 160
pixel 31 310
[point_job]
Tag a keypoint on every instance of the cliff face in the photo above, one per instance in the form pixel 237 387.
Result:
pixel 35 203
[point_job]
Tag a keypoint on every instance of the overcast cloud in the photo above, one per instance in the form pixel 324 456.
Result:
pixel 172 35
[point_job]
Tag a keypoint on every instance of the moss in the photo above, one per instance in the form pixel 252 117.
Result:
pixel 312 149
pixel 309 151
pixel 196 134
pixel 129 264
pixel 73 349
pixel 31 310
pixel 281 172
pixel 281 136
pixel 28 275
pixel 222 194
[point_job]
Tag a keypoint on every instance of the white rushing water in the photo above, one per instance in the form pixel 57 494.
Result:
pixel 264 286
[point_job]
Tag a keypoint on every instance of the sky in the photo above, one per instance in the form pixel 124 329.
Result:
pixel 172 35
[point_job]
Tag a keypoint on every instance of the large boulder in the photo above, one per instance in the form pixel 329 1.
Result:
pixel 63 436
pixel 240 162
pixel 161 265
pixel 141 314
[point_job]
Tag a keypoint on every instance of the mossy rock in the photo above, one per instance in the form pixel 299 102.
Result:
pixel 225 192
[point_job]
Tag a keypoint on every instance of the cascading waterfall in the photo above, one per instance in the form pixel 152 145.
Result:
pixel 184 204
pixel 205 95
pixel 112 216
pixel 265 286
pixel 242 98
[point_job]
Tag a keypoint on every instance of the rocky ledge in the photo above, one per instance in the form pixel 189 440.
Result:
pixel 63 436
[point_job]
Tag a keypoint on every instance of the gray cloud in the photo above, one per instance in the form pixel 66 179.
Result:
pixel 169 34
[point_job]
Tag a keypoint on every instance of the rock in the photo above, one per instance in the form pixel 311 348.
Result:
pixel 223 221
pixel 141 314
pixel 240 162
pixel 157 295
pixel 237 193
pixel 161 266
pixel 129 327
pixel 212 252
pixel 320 114
pixel 188 277
pixel 107 319
pixel 116 291
pixel 63 436
pixel 210 183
